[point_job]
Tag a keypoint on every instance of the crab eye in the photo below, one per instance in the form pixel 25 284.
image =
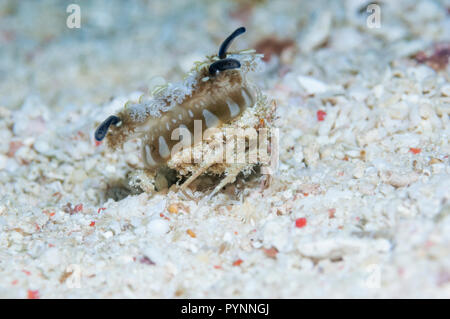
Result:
pixel 224 64
pixel 101 131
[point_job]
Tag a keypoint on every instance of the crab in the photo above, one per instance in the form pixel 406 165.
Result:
pixel 215 122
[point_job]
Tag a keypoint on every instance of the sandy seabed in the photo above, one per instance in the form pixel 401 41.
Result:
pixel 359 205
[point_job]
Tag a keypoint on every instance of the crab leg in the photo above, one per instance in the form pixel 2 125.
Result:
pixel 230 178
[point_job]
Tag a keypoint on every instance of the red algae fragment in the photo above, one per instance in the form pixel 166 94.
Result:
pixel 48 213
pixel 300 222
pixel 321 115
pixel 92 224
pixel 238 262
pixel 415 150
pixel 164 216
pixel 33 294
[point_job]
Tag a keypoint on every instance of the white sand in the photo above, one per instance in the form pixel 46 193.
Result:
pixel 372 180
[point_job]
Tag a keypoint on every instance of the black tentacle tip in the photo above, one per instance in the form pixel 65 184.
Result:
pixel 222 65
pixel 225 44
pixel 101 131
